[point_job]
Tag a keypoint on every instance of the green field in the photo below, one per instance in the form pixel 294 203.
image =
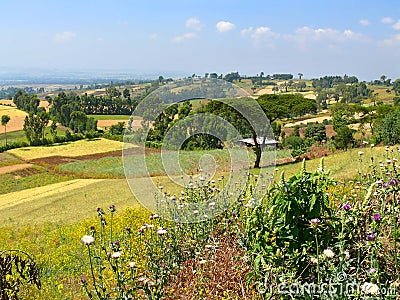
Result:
pixel 19 135
pixel 7 159
pixel 111 117
pixel 189 161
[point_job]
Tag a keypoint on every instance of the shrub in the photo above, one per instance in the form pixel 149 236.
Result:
pixel 280 233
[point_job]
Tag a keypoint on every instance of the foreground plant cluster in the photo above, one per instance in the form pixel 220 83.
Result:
pixel 308 237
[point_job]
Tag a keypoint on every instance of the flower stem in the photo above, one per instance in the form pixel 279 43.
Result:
pixel 93 277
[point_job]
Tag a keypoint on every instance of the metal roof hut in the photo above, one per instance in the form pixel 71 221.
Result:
pixel 263 142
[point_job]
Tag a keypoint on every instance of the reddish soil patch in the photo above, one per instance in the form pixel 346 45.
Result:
pixel 316 152
pixel 136 124
pixel 13 168
pixel 329 131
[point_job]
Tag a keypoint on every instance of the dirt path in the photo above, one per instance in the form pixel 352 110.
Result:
pixel 13 168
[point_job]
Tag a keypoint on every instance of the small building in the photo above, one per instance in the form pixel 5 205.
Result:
pixel 264 142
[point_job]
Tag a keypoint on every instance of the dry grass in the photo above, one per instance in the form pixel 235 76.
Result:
pixel 17 118
pixel 311 120
pixel 343 165
pixel 7 102
pixel 72 149
pixel 65 202
pixel 223 276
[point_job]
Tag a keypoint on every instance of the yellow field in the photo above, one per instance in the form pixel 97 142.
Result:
pixel 65 202
pixel 72 149
pixel 11 111
pixel 17 118
pixel 8 102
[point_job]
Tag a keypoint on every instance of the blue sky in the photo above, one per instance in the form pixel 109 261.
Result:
pixel 312 37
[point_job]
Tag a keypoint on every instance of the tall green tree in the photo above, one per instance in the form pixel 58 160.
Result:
pixel 78 121
pixel 391 128
pixel 34 126
pixel 4 121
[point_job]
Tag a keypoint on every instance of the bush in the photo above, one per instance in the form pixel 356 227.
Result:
pixel 278 234
pixel 316 132
pixel 391 128
pixel 13 145
pixel 293 142
pixel 344 138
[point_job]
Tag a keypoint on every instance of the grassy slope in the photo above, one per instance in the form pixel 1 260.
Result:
pixel 65 202
pixel 189 161
pixel 73 200
pixel 11 111
pixel 344 165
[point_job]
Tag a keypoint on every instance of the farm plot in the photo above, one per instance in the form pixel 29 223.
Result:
pixel 65 202
pixel 112 166
pixel 7 159
pixel 17 118
pixel 105 121
pixel 72 149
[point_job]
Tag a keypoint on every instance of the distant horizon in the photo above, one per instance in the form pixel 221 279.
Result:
pixel 312 37
pixel 17 74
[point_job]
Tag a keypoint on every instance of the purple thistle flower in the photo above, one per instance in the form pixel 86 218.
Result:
pixel 393 182
pixel 128 229
pixel 92 228
pixel 233 214
pixel 116 243
pixel 346 207
pixel 377 217
pixel 385 185
pixel 372 270
pixel 371 237
pixel 83 280
pixel 112 208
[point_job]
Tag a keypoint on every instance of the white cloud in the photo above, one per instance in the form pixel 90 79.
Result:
pixel 261 36
pixel 184 37
pixel 64 36
pixel 392 41
pixel 365 22
pixel 307 33
pixel 261 31
pixel 224 26
pixel 387 20
pixel 193 24
pixel 154 36
pixel 396 25
pixel 246 31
